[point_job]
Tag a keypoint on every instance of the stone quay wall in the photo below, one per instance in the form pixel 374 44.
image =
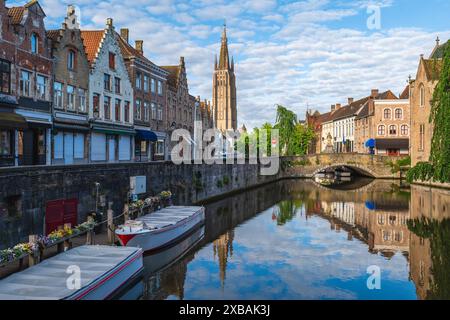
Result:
pixel 25 191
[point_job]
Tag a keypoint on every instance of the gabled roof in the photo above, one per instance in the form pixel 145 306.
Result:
pixel 439 50
pixel 92 40
pixel 174 73
pixel 364 109
pixel 16 13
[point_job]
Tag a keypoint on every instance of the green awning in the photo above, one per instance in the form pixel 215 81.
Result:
pixel 12 120
pixel 114 131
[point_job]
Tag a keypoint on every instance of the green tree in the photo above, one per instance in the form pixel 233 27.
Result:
pixel 438 167
pixel 268 127
pixel 302 137
pixel 286 122
pixel 440 116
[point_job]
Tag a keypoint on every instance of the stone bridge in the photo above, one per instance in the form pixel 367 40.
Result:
pixel 374 166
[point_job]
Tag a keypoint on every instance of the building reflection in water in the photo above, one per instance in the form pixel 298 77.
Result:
pixel 223 249
pixel 413 223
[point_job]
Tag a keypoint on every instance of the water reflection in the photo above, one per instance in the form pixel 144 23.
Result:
pixel 297 240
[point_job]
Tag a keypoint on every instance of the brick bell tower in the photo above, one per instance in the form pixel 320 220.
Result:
pixel 224 89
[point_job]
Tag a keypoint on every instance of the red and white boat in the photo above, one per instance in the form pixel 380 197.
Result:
pixel 161 228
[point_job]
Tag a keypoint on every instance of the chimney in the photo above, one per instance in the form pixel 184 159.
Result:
pixel 109 22
pixel 139 45
pixel 124 33
pixel 374 93
pixel 338 106
pixel 371 106
pixel 333 107
pixel 350 100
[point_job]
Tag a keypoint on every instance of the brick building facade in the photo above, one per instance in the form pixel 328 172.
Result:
pixel 150 100
pixel 26 67
pixel 70 138
pixel 421 95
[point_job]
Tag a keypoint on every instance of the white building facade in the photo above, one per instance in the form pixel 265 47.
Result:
pixel 110 98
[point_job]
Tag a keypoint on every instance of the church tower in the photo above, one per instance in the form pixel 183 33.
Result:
pixel 224 89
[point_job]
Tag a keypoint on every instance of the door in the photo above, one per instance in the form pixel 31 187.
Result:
pixel 68 148
pixel 59 212
pixel 112 149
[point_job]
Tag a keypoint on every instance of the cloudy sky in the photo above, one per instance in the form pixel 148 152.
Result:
pixel 297 53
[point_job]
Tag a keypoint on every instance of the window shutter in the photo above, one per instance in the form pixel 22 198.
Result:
pixel 58 152
pixel 124 148
pixel 79 146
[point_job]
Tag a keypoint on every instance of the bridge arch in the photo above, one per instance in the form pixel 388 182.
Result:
pixel 361 169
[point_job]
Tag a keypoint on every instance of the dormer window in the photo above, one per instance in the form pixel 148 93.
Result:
pixel 34 43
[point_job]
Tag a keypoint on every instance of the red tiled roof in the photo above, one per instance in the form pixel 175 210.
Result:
pixel 91 41
pixel 405 93
pixel 16 14
pixel 53 34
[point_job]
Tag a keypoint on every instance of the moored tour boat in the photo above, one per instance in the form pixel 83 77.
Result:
pixel 161 228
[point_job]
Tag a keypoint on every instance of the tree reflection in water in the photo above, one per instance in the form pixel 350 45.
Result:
pixel 438 234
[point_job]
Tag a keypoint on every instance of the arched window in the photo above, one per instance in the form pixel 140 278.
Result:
pixel 404 130
pixel 387 113
pixel 34 43
pixel 422 96
pixel 393 130
pixel 381 130
pixel 398 114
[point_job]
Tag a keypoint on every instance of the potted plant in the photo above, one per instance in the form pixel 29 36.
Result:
pixel 166 198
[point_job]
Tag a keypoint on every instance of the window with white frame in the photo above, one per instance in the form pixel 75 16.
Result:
pixel 137 110
pixel 70 98
pixel 146 111
pixel 398 114
pixel 381 130
pixel 58 94
pixel 41 87
pixel 153 86
pixel 146 83
pixel 160 90
pixel 422 95
pixel 138 80
pixel 153 111
pixel 404 130
pixel 387 113
pixel 160 112
pixel 25 83
pixel 392 130
pixel 82 100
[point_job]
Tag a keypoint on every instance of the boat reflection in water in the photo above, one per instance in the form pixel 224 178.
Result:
pixel 157 261
pixel 295 239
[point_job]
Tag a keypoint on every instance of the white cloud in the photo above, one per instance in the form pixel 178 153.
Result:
pixel 285 53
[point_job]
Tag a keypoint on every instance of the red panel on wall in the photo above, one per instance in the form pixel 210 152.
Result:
pixel 59 212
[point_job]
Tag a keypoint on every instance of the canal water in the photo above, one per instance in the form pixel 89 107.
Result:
pixel 295 239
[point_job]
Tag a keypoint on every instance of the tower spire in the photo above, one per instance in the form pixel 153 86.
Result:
pixel 224 60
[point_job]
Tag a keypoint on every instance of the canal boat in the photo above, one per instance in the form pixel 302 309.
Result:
pixel 159 260
pixel 161 228
pixel 83 273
